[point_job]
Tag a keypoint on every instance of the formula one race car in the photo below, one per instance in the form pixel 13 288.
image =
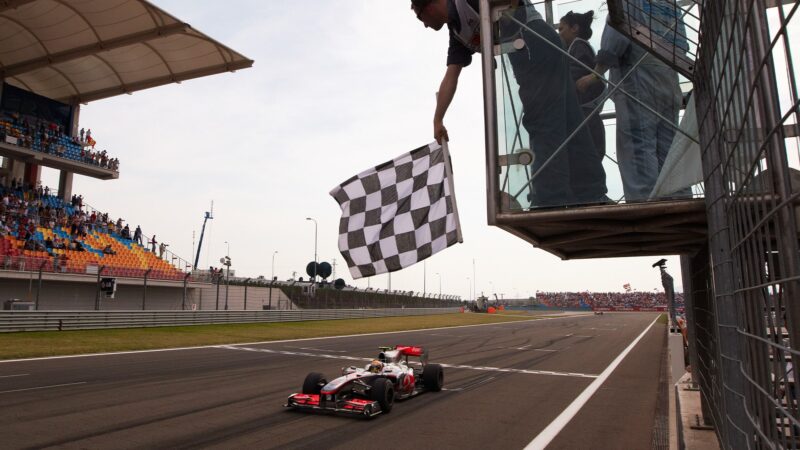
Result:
pixel 372 390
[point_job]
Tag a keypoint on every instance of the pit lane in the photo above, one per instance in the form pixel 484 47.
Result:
pixel 505 383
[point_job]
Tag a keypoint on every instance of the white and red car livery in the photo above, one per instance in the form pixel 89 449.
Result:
pixel 371 390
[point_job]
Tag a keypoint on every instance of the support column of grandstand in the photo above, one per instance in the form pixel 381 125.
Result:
pixel 40 231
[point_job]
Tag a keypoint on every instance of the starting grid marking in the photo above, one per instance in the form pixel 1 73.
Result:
pixel 452 366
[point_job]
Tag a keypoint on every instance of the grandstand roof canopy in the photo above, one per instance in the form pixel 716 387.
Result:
pixel 77 51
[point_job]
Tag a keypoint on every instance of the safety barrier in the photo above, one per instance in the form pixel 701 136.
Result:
pixel 11 321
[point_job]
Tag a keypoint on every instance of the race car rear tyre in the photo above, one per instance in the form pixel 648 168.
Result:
pixel 383 392
pixel 433 377
pixel 313 383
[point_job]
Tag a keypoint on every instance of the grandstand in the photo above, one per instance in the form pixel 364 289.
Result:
pixel 638 301
pixel 34 241
pixel 55 56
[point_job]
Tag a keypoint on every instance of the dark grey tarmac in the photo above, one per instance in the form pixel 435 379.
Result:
pixel 513 379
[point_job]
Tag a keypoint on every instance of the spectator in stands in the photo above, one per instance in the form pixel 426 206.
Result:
pixel 126 232
pixel 633 299
pixel 25 210
pixel 108 250
pixel 49 137
pixel 137 235
pixel 161 249
pixel 153 244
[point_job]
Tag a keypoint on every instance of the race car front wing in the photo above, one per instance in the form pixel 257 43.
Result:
pixel 329 403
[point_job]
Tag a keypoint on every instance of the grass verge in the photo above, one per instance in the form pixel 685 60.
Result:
pixel 53 343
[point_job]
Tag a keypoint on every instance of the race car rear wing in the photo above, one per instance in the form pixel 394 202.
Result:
pixel 410 350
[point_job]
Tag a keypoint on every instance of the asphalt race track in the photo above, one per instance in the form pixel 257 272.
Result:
pixel 504 384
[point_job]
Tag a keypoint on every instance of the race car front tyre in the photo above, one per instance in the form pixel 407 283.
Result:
pixel 433 377
pixel 313 383
pixel 383 392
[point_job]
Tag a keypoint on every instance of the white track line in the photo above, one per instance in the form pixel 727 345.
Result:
pixel 453 366
pixel 133 352
pixel 42 387
pixel 320 349
pixel 548 434
pixel 17 375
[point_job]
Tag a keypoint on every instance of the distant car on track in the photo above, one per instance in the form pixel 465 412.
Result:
pixel 372 390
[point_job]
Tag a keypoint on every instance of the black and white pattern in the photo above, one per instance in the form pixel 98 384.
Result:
pixel 398 213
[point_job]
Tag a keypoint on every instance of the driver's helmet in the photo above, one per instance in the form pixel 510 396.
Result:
pixel 375 366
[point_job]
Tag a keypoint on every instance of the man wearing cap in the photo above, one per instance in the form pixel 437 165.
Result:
pixel 550 105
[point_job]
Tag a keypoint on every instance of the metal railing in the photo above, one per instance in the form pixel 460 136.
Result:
pixel 16 321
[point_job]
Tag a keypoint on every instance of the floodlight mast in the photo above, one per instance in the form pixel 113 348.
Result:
pixel 208 215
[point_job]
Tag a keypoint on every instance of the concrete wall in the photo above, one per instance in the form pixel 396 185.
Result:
pixel 79 292
pixel 257 298
pixel 66 295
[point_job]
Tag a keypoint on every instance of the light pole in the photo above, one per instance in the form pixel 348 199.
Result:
pixel 273 264
pixel 227 258
pixel 440 284
pixel 315 247
pixel 226 261
pixel 424 277
pixel 474 280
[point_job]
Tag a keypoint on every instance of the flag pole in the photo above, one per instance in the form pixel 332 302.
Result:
pixel 449 172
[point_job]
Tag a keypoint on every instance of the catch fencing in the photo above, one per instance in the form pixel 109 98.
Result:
pixel 11 321
pixel 743 311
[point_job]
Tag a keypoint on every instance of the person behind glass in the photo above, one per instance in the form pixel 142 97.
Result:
pixel 550 106
pixel 643 138
pixel 576 30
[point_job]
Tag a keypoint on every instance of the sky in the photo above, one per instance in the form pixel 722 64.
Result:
pixel 338 86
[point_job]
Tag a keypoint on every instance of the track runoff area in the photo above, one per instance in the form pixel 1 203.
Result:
pixel 571 382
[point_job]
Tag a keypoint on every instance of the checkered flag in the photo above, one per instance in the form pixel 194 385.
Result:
pixel 398 213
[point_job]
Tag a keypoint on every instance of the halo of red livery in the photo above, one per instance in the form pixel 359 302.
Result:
pixel 372 390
